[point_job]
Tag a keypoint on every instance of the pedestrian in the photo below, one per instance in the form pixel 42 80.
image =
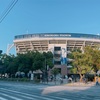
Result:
pixel 70 79
pixel 61 80
pixel 97 83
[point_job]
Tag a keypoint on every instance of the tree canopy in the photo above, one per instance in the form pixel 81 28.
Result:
pixel 32 60
pixel 86 61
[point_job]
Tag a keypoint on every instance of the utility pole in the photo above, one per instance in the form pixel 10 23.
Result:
pixel 46 70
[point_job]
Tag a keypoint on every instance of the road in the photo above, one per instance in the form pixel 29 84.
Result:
pixel 29 91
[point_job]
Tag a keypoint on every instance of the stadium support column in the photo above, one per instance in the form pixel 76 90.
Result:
pixel 82 47
pixel 31 46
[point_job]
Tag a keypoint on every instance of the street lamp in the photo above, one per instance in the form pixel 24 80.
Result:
pixel 46 70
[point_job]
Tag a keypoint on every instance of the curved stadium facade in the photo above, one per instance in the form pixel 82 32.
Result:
pixel 58 43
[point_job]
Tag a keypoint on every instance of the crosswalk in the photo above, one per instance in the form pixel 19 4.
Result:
pixel 21 91
pixel 8 94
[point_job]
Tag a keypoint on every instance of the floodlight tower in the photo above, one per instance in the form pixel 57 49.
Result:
pixel 9 47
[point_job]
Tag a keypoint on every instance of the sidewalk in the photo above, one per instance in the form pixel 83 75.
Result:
pixel 70 88
pixel 69 84
pixel 57 82
pixel 80 84
pixel 51 83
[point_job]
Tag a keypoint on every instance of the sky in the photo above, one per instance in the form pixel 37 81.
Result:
pixel 48 16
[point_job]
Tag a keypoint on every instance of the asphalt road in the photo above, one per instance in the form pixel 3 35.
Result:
pixel 29 91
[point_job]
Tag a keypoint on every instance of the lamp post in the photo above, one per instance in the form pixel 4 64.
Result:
pixel 46 70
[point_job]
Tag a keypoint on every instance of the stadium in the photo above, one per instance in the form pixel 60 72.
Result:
pixel 60 44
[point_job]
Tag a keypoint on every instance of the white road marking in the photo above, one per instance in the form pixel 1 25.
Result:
pixel 46 98
pixel 15 98
pixel 1 98
pixel 27 97
pixel 28 94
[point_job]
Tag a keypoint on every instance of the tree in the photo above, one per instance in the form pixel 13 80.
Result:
pixel 92 57
pixel 38 61
pixel 87 61
pixel 25 61
pixel 31 60
pixel 9 65
pixel 0 51
pixel 79 64
pixel 49 59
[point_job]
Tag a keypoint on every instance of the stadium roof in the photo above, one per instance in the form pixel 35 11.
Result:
pixel 58 35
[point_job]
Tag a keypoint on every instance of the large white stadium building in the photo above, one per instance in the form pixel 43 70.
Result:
pixel 58 43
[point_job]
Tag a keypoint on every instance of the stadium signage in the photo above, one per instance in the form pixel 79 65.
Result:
pixel 57 35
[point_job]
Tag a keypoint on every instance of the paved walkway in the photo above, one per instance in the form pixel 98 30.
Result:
pixel 57 83
pixel 81 84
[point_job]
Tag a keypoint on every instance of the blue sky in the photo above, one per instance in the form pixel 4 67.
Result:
pixel 39 16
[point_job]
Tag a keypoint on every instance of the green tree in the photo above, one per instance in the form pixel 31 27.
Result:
pixel 9 65
pixel 24 62
pixel 0 51
pixel 79 64
pixel 48 57
pixel 92 57
pixel 87 61
pixel 38 61
pixel 31 60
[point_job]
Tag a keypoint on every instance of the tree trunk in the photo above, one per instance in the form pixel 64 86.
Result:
pixel 81 77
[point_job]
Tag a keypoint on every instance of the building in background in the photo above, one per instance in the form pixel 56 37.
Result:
pixel 60 44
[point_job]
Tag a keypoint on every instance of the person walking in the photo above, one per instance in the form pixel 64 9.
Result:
pixel 97 83
pixel 61 80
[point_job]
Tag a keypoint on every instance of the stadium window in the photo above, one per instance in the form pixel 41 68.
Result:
pixel 57 48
